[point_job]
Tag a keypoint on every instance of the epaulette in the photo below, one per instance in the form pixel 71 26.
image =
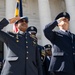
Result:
pixel 12 34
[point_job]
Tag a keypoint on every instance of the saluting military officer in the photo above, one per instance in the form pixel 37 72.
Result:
pixel 23 57
pixel 62 60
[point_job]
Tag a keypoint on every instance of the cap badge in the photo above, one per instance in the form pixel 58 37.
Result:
pixel 32 28
pixel 64 13
pixel 48 45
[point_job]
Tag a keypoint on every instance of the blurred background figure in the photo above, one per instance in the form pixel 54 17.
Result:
pixel 48 53
pixel 1 64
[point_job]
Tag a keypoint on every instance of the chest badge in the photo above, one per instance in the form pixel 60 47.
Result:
pixel 17 39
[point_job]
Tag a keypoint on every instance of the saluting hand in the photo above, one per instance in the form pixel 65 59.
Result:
pixel 60 19
pixel 13 20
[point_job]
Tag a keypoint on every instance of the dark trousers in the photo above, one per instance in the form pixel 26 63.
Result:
pixel 61 73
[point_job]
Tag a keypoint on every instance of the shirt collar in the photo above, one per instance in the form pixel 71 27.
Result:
pixel 21 32
pixel 64 30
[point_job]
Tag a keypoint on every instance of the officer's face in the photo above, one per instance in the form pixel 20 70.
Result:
pixel 64 24
pixel 22 25
pixel 33 34
pixel 48 52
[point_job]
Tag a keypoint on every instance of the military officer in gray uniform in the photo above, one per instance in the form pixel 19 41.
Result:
pixel 63 41
pixel 23 57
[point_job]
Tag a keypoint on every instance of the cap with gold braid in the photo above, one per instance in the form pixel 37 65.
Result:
pixel 48 46
pixel 32 29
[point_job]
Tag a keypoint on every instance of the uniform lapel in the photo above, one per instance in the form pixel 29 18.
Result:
pixel 67 33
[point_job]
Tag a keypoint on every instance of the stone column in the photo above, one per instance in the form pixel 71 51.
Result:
pixel 70 7
pixel 45 17
pixel 10 10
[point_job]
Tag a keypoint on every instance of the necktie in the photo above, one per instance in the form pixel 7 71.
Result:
pixel 69 34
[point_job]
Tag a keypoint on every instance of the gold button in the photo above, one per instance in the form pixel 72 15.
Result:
pixel 26 37
pixel 73 47
pixel 27 52
pixel 17 40
pixel 26 46
pixel 26 57
pixel 26 42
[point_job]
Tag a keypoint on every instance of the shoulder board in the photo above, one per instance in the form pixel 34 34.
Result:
pixel 11 33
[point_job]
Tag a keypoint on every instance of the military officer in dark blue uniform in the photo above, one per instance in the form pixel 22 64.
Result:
pixel 63 41
pixel 32 30
pixel 1 64
pixel 48 54
pixel 23 58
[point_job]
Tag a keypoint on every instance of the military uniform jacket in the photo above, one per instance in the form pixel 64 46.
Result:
pixel 46 65
pixel 23 56
pixel 63 54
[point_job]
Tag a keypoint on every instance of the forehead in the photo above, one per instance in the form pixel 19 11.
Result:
pixel 49 50
pixel 33 33
pixel 21 20
pixel 65 19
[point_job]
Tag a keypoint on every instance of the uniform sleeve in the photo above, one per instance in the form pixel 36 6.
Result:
pixel 48 31
pixel 4 37
pixel 4 22
pixel 39 64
